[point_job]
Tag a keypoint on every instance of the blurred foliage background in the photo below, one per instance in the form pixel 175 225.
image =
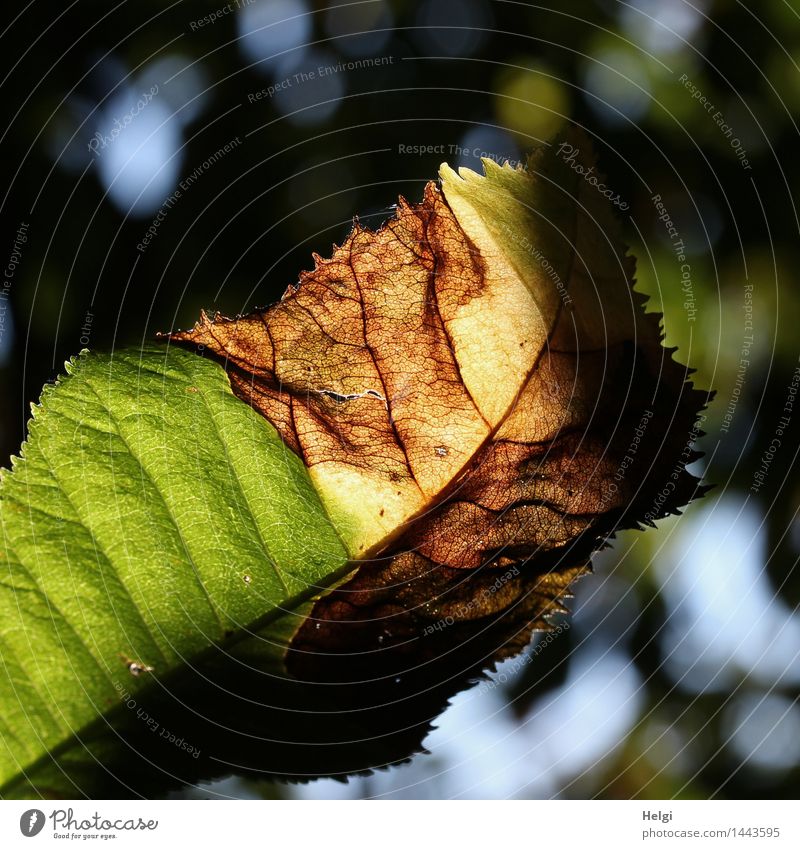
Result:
pixel 680 673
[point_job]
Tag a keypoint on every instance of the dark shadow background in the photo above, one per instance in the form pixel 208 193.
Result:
pixel 681 673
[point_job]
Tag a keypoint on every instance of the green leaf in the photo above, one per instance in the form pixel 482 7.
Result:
pixel 145 522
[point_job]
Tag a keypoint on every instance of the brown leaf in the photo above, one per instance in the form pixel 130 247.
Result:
pixel 478 394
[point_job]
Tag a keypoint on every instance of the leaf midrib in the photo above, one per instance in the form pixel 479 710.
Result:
pixel 444 493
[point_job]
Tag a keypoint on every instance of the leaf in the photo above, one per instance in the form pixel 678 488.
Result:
pixel 448 417
pixel 475 388
pixel 151 516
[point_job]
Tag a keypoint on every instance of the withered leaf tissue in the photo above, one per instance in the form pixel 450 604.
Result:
pixel 480 400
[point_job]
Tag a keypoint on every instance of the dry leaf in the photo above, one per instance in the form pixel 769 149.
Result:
pixel 480 400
